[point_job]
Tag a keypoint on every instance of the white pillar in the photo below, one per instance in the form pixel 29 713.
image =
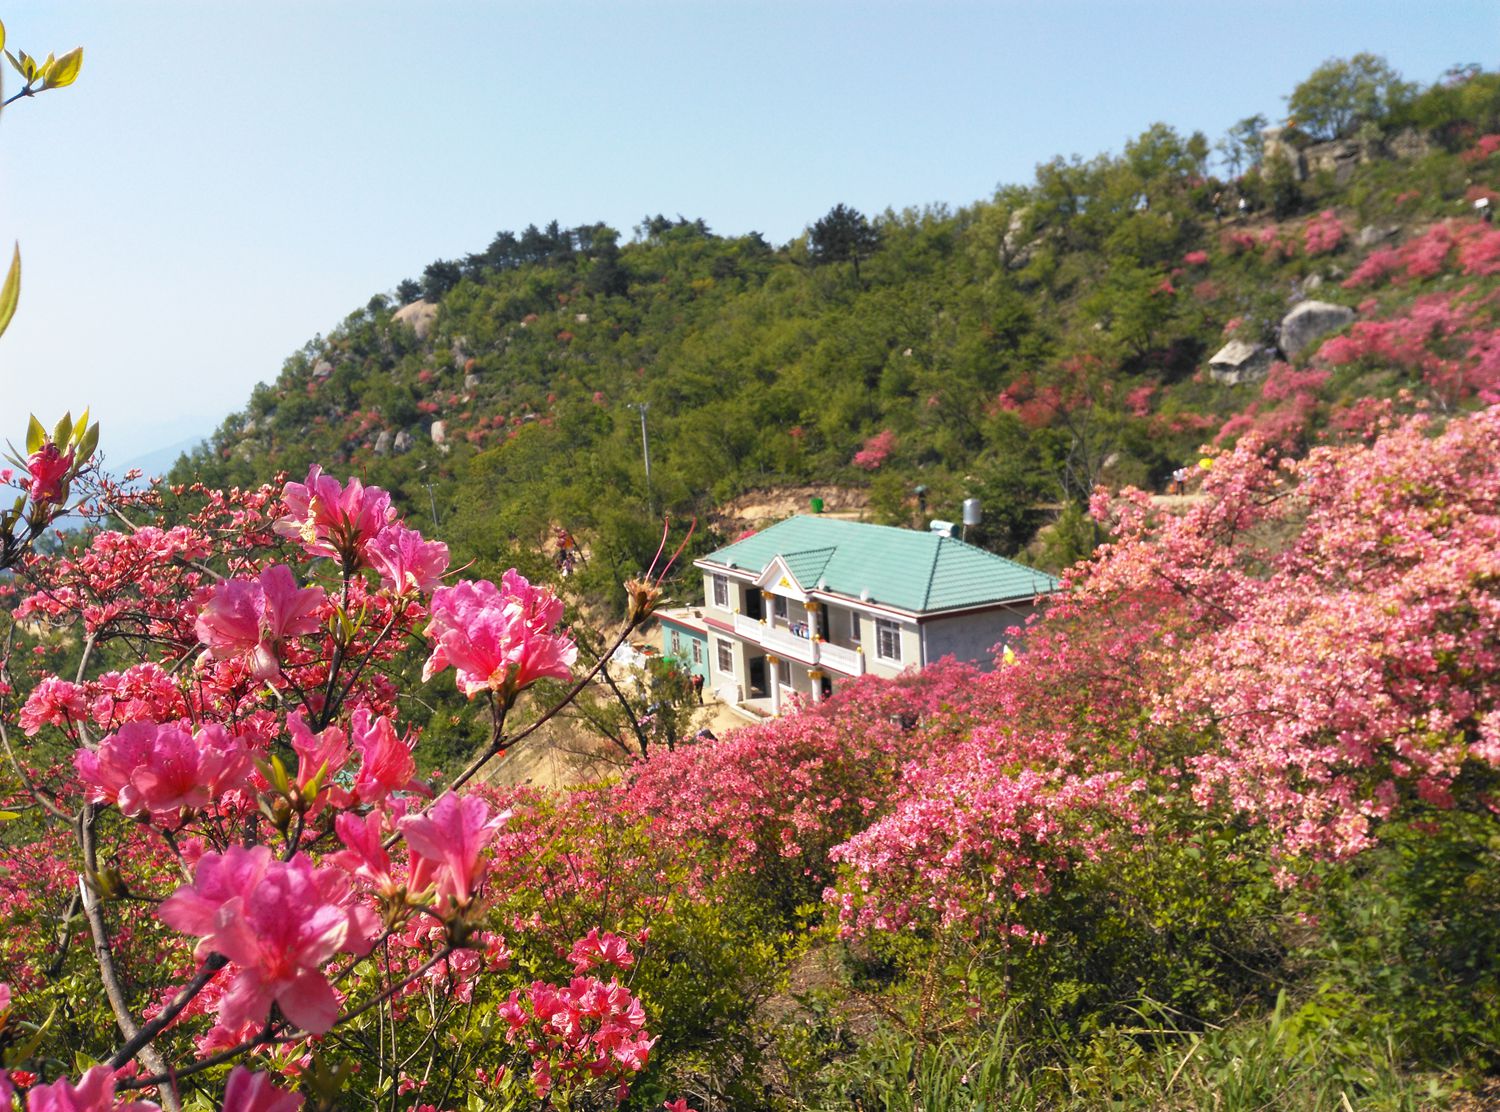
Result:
pixel 773 679
pixel 817 685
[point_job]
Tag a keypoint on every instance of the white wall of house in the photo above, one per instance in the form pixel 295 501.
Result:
pixel 971 636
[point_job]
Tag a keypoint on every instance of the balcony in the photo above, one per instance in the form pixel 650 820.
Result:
pixel 801 648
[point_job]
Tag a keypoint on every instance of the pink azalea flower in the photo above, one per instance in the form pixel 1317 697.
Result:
pixel 161 769
pixel 326 751
pixel 53 702
pixel 596 949
pixel 278 922
pixel 95 1092
pixel 498 638
pixel 250 619
pixel 250 1091
pixel 405 561
pixel 452 834
pixel 334 520
pixel 48 468
pixel 364 854
pixel 386 763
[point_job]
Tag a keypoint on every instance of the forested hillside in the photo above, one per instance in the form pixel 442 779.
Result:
pixel 1021 349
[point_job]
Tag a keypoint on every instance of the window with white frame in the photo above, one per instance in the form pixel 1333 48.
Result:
pixel 721 591
pixel 778 606
pixel 676 643
pixel 887 640
pixel 726 656
pixel 697 651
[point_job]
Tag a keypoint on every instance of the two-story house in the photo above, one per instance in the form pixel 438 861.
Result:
pixel 811 602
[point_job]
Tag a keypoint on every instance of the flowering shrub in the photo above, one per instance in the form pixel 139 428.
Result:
pixel 876 451
pixel 1323 233
pixel 250 731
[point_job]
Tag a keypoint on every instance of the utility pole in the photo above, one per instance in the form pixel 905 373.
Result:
pixel 645 447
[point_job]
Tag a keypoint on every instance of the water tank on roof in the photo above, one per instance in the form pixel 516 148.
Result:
pixel 941 528
pixel 971 511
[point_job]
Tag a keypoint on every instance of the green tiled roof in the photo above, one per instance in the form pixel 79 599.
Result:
pixel 900 568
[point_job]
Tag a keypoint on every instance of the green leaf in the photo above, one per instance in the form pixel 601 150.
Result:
pixel 62 432
pixel 10 293
pixel 80 426
pixel 15 62
pixel 36 436
pixel 2 36
pixel 64 71
pixel 9 816
pixel 87 444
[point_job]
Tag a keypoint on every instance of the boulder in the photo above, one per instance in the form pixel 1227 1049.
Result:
pixel 418 316
pixel 402 443
pixel 1239 361
pixel 383 442
pixel 439 434
pixel 324 369
pixel 471 382
pixel 1371 234
pixel 1310 321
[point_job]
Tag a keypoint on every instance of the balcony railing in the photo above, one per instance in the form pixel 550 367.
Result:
pixel 804 650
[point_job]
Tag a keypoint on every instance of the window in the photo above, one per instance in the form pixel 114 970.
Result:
pixel 676 643
pixel 778 606
pixel 726 657
pixel 697 651
pixel 721 592
pixel 887 640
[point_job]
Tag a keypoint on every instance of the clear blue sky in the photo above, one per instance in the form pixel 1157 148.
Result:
pixel 227 179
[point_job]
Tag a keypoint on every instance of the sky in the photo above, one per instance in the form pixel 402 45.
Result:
pixel 228 179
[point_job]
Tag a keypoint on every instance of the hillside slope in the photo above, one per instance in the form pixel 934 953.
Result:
pixel 1020 350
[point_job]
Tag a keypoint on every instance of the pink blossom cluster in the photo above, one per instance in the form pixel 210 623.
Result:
pixel 1427 255
pixel 278 922
pixel 877 449
pixel 163 769
pixel 1323 233
pixel 498 639
pixel 1351 672
pixel 578 1034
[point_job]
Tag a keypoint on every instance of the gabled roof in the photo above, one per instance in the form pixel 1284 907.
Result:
pixel 900 568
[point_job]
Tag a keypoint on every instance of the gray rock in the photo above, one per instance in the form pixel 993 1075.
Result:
pixel 439 434
pixel 1312 281
pixel 471 382
pixel 1239 361
pixel 1370 234
pixel 403 443
pixel 1308 322
pixel 383 442
pixel 1409 143
pixel 323 369
pixel 418 316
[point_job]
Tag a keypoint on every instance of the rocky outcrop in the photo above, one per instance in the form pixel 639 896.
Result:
pixel 384 441
pixel 439 434
pixel 418 316
pixel 1308 322
pixel 402 443
pixel 1239 361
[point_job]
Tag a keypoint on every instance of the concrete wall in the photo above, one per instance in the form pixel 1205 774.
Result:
pixel 970 636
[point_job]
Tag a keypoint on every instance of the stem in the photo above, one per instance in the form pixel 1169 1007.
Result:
pixel 212 966
pixel 104 957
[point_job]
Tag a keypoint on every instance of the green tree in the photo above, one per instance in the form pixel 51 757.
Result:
pixel 1343 93
pixel 1243 144
pixel 843 236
